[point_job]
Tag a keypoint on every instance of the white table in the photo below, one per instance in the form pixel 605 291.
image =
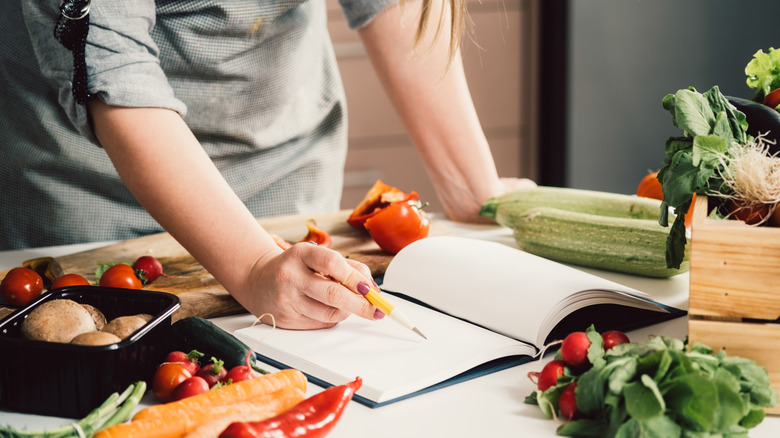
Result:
pixel 489 405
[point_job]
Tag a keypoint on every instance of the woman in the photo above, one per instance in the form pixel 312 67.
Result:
pixel 201 116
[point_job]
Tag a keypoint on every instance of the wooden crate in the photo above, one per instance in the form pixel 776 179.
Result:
pixel 734 301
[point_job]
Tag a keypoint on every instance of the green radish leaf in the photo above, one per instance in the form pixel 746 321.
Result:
pixel 583 428
pixel 643 399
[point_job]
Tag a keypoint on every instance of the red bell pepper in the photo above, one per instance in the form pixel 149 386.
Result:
pixel 378 197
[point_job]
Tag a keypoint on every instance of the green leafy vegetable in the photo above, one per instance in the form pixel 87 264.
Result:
pixel 711 126
pixel 763 73
pixel 663 388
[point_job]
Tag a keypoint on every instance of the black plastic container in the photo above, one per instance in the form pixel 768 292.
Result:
pixel 66 380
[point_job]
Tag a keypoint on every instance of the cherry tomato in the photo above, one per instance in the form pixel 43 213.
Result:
pixel 69 280
pixel 20 286
pixel 189 360
pixel 167 377
pixel 148 269
pixel 192 386
pixel 613 338
pixel 122 276
pixel 772 100
pixel 398 225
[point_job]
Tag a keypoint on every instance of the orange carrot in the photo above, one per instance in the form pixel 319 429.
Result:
pixel 254 412
pixel 180 423
pixel 230 394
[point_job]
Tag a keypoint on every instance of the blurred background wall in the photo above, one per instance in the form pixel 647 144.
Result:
pixel 624 56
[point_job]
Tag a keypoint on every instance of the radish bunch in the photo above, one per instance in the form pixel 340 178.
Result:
pixel 577 353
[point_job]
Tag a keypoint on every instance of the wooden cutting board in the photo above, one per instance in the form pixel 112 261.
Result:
pixel 200 294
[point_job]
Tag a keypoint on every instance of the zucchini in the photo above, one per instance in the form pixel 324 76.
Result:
pixel 595 229
pixel 502 208
pixel 195 333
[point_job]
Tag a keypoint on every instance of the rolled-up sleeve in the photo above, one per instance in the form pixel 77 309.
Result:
pixel 360 12
pixel 123 68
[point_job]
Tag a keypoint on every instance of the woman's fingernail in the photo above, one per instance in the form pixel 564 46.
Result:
pixel 363 288
pixel 378 314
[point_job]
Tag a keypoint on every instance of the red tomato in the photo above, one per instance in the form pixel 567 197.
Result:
pixel 167 377
pixel 550 373
pixel 69 280
pixel 567 402
pixel 398 225
pixel 193 386
pixel 20 286
pixel 772 100
pixel 122 276
pixel 612 338
pixel 574 349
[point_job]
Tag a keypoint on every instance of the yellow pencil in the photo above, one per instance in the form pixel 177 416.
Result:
pixel 375 298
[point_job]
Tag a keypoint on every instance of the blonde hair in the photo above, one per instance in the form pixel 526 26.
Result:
pixel 457 14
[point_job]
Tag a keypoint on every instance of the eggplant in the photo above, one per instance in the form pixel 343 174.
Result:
pixel 761 120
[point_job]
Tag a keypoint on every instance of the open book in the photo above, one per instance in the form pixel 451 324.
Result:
pixel 484 306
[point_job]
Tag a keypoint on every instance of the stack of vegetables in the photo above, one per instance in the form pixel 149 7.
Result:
pixel 727 152
pixel 659 388
pixel 244 402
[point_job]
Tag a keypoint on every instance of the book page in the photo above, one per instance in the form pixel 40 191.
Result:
pixel 392 360
pixel 499 287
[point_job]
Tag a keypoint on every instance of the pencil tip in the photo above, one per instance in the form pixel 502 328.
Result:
pixel 416 330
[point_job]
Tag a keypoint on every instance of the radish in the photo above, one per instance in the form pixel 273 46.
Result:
pixel 574 349
pixel 191 360
pixel 548 377
pixel 214 372
pixel 148 269
pixel 239 373
pixel 567 403
pixel 614 337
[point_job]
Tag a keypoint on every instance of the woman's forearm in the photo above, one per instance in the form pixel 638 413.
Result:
pixel 436 107
pixel 167 170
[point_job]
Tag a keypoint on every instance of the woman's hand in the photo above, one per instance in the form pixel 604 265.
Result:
pixel 307 287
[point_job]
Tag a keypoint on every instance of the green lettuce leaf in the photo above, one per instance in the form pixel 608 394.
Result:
pixel 763 72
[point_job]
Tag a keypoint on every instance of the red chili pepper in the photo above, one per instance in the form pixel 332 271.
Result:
pixel 311 418
pixel 317 234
